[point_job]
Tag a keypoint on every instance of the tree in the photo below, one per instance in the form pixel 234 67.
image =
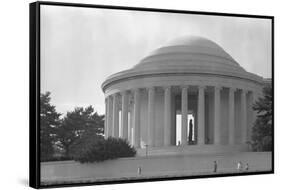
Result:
pixel 78 127
pixel 262 130
pixel 49 121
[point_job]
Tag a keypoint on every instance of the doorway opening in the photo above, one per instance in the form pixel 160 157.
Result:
pixel 190 128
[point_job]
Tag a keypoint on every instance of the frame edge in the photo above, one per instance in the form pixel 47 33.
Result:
pixel 34 133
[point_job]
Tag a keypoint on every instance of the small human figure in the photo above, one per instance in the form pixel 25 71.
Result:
pixel 139 170
pixel 247 167
pixel 215 166
pixel 239 166
pixel 179 143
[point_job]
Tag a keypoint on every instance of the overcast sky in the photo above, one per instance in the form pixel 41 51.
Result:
pixel 80 47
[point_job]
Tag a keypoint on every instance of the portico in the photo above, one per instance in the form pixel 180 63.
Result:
pixel 205 101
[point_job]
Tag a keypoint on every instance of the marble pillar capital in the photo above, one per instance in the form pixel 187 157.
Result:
pixel 151 88
pixel 167 87
pixel 218 88
pixel 184 87
pixel 232 90
pixel 201 87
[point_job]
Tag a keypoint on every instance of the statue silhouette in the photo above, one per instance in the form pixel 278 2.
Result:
pixel 190 134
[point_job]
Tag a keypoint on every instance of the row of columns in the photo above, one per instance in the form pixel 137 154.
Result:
pixel 112 116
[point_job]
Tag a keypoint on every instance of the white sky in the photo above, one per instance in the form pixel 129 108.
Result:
pixel 80 47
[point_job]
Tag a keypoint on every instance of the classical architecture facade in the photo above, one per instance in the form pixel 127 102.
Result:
pixel 188 93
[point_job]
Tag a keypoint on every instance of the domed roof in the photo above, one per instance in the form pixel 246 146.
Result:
pixel 193 41
pixel 190 51
pixel 183 56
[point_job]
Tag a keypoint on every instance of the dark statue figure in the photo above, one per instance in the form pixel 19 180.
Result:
pixel 190 134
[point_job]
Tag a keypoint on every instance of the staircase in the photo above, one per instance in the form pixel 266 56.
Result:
pixel 191 150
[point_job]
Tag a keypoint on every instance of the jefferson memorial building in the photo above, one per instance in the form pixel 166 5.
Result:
pixel 189 95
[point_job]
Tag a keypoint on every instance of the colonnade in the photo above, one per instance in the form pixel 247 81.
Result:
pixel 112 114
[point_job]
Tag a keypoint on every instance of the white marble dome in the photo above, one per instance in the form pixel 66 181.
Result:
pixel 189 55
pixel 190 52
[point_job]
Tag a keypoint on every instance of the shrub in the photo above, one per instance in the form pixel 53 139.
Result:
pixel 105 149
pixel 83 144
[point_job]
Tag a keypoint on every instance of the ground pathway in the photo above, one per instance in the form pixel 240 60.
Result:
pixel 153 167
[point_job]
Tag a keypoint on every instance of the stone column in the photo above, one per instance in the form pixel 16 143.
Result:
pixel 129 126
pixel 136 118
pixel 231 130
pixel 115 116
pixel 217 113
pixel 130 131
pixel 243 116
pixel 151 97
pixel 184 112
pixel 173 119
pixel 109 116
pixel 124 124
pixel 201 115
pixel 105 119
pixel 167 116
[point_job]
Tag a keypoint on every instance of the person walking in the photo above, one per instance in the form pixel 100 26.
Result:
pixel 247 167
pixel 215 166
pixel 139 170
pixel 239 166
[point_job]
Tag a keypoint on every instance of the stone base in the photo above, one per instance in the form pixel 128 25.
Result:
pixel 191 149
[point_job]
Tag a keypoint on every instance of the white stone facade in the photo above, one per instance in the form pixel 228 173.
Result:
pixel 191 75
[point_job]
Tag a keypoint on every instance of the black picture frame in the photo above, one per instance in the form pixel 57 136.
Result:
pixel 34 90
